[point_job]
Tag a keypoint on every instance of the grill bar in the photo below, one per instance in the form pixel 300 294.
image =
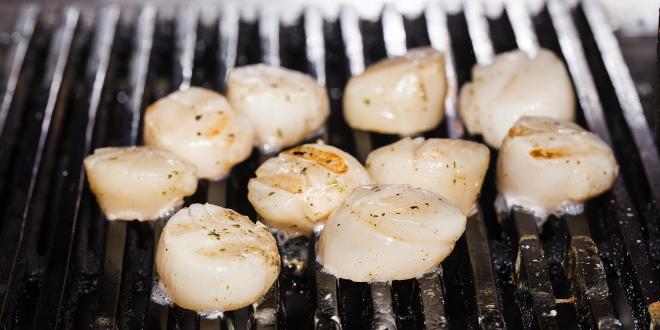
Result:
pixel 17 217
pixel 116 230
pixel 25 26
pixel 488 309
pixel 531 275
pixel 478 27
pixel 350 31
pixel 269 31
pixel 383 314
pixel 436 21
pixel 433 300
pixel 228 31
pixel 186 37
pixel 315 48
pixel 522 25
pixel 587 277
pixel 626 223
pixel 327 309
pixel 393 32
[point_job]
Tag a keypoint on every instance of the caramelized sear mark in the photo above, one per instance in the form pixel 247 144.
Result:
pixel 520 130
pixel 327 159
pixel 218 126
pixel 550 153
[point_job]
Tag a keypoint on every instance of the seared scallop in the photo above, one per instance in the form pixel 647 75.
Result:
pixel 453 169
pixel 297 190
pixel 389 232
pixel 512 86
pixel 551 166
pixel 284 106
pixel 212 259
pixel 201 127
pixel 138 183
pixel 401 95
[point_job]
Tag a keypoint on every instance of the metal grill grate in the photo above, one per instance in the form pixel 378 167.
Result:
pixel 77 78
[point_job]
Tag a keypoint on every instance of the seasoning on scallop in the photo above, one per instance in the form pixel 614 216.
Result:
pixel 298 189
pixel 201 127
pixel 389 232
pixel 212 259
pixel 401 95
pixel 138 183
pixel 551 166
pixel 284 106
pixel 453 169
pixel 512 86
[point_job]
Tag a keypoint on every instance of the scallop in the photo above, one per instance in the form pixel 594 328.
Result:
pixel 138 183
pixel 213 259
pixel 453 169
pixel 548 165
pixel 401 95
pixel 201 127
pixel 284 106
pixel 297 190
pixel 389 232
pixel 512 86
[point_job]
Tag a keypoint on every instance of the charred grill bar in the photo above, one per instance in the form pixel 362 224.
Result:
pixel 80 77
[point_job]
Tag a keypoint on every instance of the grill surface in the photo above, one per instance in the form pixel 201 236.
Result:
pixel 77 78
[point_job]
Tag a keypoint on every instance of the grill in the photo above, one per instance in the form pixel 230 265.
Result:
pixel 78 77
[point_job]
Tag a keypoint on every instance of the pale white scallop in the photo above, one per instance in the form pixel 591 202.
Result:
pixel 201 127
pixel 547 165
pixel 297 190
pixel 284 106
pixel 138 183
pixel 401 95
pixel 512 86
pixel 212 259
pixel 389 232
pixel 453 169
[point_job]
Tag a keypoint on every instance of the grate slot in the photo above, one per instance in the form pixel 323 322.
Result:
pixel 17 218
